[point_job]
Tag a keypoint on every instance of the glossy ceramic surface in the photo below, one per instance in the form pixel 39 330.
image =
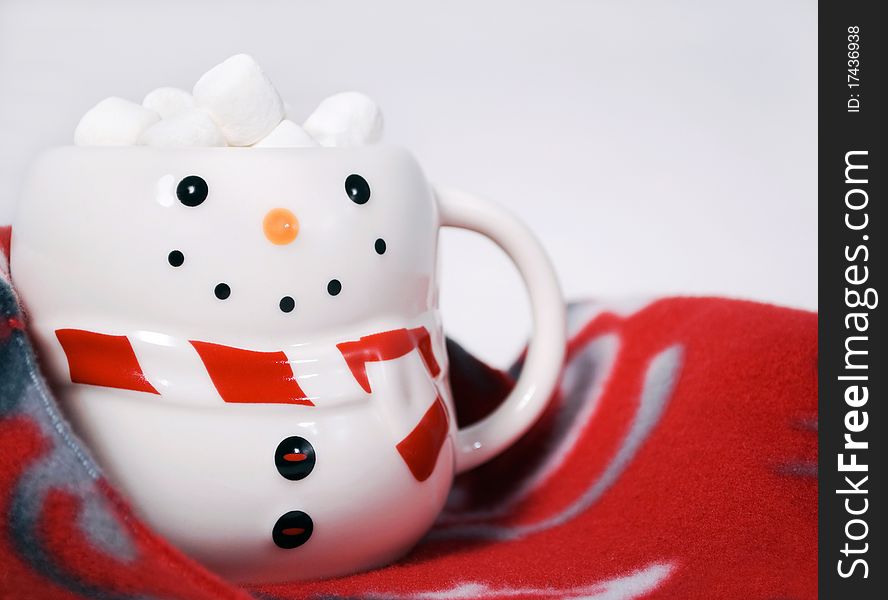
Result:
pixel 249 341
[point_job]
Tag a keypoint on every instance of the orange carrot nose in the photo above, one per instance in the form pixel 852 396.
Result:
pixel 280 226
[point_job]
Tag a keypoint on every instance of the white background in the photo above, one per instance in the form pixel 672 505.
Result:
pixel 655 147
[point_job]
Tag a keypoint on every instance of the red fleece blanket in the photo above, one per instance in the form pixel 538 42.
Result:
pixel 677 460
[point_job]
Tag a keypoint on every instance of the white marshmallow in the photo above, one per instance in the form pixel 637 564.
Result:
pixel 346 119
pixel 286 135
pixel 190 128
pixel 114 122
pixel 241 99
pixel 168 101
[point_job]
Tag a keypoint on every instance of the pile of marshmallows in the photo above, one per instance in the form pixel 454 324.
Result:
pixel 233 104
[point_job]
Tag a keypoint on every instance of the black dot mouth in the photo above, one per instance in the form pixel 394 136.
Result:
pixel 176 258
pixel 222 291
pixel 287 304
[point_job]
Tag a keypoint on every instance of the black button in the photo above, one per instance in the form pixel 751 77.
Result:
pixel 292 530
pixel 294 458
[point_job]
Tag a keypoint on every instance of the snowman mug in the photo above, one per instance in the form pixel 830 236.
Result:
pixel 249 342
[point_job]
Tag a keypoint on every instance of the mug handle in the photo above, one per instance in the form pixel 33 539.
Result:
pixel 485 439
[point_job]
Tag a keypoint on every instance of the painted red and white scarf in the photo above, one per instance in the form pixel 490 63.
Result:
pixel 256 377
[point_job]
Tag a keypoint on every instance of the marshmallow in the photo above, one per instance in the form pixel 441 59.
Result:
pixel 286 135
pixel 189 128
pixel 346 119
pixel 114 122
pixel 168 101
pixel 241 100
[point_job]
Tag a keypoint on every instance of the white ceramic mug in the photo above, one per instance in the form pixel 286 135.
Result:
pixel 249 341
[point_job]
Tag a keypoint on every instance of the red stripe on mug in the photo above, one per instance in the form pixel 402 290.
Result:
pixel 421 447
pixel 246 376
pixel 387 345
pixel 105 360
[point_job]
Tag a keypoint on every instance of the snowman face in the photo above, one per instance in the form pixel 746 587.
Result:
pixel 239 245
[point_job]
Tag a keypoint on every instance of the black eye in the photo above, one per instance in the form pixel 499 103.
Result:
pixel 380 246
pixel 222 291
pixel 176 258
pixel 192 191
pixel 357 189
pixel 334 287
